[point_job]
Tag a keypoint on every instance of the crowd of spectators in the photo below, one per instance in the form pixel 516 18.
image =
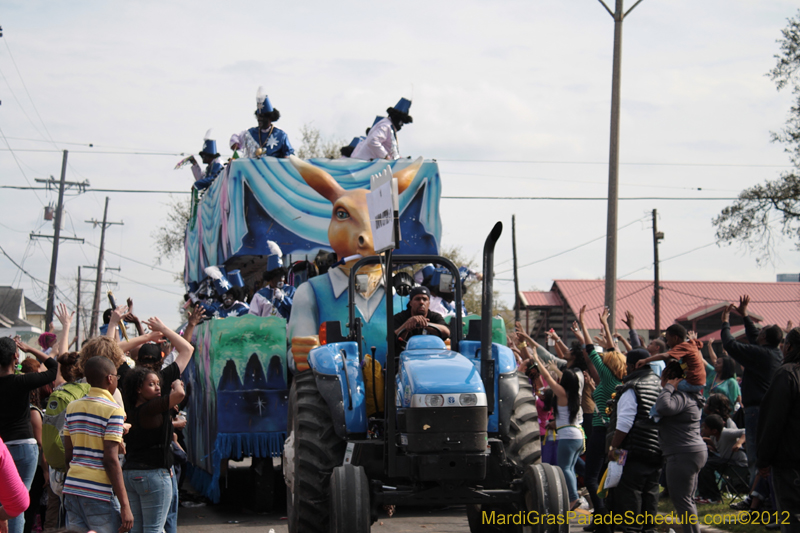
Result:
pixel 696 426
pixel 87 438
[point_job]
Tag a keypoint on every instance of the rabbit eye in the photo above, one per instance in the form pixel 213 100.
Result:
pixel 342 214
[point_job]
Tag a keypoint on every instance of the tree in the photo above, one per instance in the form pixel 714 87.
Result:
pixel 748 219
pixel 169 237
pixel 314 145
pixel 473 295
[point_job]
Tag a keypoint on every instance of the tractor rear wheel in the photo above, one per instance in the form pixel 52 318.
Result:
pixel 522 444
pixel 350 511
pixel 311 453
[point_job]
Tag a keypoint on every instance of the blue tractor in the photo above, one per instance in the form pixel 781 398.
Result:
pixel 458 426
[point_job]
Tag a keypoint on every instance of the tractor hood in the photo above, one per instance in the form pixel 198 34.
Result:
pixel 436 371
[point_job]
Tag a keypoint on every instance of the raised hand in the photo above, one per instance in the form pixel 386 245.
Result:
pixel 64 316
pixel 744 300
pixel 726 313
pixel 692 335
pixel 195 316
pixel 22 345
pixel 628 320
pixel 155 324
pixel 118 313
pixel 576 330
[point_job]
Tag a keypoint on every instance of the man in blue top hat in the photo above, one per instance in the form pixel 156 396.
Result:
pixel 347 151
pixel 265 139
pixel 381 142
pixel 276 298
pixel 210 158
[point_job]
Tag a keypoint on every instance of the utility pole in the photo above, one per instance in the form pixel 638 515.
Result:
pixel 516 277
pixel 51 286
pixel 78 315
pixel 657 236
pixel 613 162
pixel 99 280
pixel 92 267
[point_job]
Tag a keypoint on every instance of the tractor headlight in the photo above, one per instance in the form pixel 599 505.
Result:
pixel 468 400
pixel 434 400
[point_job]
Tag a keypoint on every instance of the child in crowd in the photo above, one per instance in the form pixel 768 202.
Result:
pixel 688 353
pixel 94 492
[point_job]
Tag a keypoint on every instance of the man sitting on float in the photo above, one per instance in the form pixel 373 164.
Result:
pixel 276 298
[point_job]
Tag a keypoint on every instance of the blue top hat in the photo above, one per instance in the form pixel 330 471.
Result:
pixel 274 258
pixel 209 148
pixel 235 277
pixel 264 106
pixel 377 119
pixel 401 109
pixel 355 141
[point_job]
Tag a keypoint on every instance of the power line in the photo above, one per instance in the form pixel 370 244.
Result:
pixel 44 150
pixel 545 162
pixel 45 140
pixel 22 108
pixel 131 259
pixel 590 198
pixel 553 198
pixel 5 40
pixel 19 166
pixel 66 298
pixel 148 286
pixel 560 180
pixel 573 248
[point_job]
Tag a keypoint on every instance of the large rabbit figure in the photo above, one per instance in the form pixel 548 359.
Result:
pixel 324 298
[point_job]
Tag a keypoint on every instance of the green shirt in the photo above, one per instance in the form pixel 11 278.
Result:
pixel 729 387
pixel 608 383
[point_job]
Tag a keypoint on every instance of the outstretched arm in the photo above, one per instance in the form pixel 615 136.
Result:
pixel 184 349
pixel 65 317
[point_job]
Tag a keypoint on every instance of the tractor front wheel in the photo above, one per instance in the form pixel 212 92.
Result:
pixel 311 453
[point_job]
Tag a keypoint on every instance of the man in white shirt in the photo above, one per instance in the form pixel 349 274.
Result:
pixel 381 142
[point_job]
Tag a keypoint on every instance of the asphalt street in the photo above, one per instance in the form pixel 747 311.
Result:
pixel 410 519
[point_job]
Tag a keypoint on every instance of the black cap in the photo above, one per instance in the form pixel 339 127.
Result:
pixel 422 289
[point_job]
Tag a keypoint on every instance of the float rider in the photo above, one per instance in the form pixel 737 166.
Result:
pixel 210 158
pixel 381 141
pixel 276 297
pixel 265 139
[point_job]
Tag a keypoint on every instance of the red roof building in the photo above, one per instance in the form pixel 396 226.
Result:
pixel 695 304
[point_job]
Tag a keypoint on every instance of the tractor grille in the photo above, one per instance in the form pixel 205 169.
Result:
pixel 446 429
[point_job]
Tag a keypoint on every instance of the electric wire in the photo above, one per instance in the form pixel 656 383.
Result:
pixel 571 249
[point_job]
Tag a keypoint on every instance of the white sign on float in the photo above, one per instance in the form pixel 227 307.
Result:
pixel 382 203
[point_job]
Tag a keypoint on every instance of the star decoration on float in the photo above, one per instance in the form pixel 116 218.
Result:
pixel 272 142
pixel 260 403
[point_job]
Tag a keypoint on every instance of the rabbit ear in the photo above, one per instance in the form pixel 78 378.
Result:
pixel 406 176
pixel 318 179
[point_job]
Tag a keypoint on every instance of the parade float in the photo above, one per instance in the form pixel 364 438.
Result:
pixel 358 421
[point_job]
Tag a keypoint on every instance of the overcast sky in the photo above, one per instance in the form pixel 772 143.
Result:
pixel 525 87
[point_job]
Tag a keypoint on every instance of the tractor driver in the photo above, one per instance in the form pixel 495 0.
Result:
pixel 418 319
